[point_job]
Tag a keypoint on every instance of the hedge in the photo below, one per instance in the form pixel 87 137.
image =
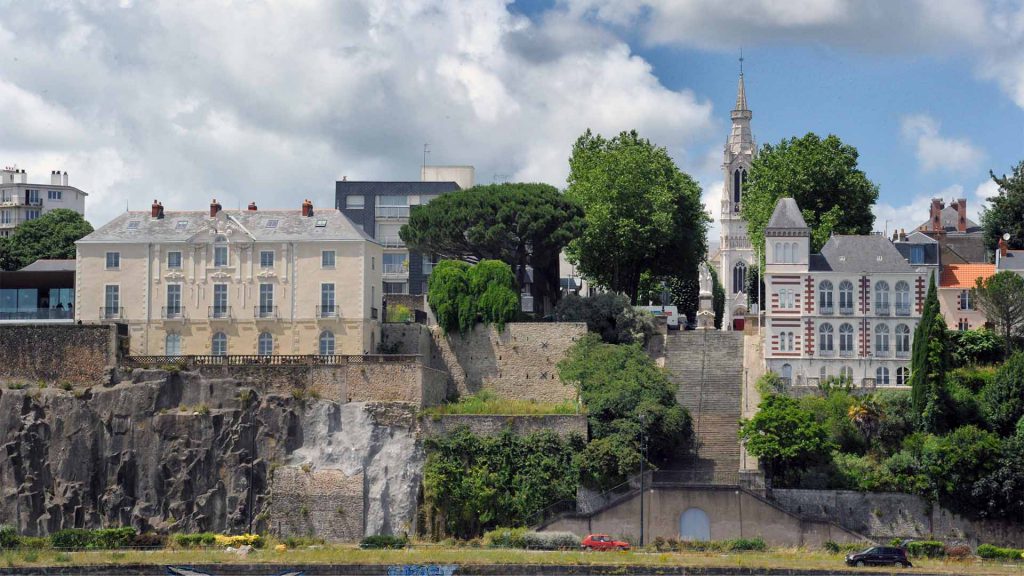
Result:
pixel 926 549
pixel 8 536
pixel 837 548
pixel 505 538
pixel 384 541
pixel 994 552
pixel 195 540
pixel 736 545
pixel 550 540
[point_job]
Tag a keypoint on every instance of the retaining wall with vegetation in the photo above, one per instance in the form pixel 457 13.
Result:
pixel 80 354
pixel 491 425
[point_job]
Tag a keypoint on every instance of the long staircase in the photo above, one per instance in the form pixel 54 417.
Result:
pixel 707 367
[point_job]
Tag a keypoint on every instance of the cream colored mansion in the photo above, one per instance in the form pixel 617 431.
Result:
pixel 227 282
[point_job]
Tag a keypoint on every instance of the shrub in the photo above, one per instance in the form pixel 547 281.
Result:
pixel 8 536
pixel 550 540
pixel 505 538
pixel 384 541
pixel 770 383
pixel 194 540
pixel 398 313
pixel 991 552
pixel 1003 398
pixel 149 540
pixel 237 541
pixel 958 552
pixel 111 538
pixel 926 549
pixel 970 347
pixel 742 544
pixel 33 542
pixel 71 538
pixel 609 315
pixel 846 547
pixel 462 295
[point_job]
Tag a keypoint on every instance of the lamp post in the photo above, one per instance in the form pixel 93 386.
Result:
pixel 643 458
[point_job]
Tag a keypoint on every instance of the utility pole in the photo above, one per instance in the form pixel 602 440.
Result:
pixel 643 457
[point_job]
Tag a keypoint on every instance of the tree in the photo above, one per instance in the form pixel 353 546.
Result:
pixel 1002 399
pixel 822 176
pixel 462 295
pixel 928 365
pixel 51 236
pixel 685 295
pixel 785 436
pixel 1005 212
pixel 1001 298
pixel 608 314
pixel 628 397
pixel 717 297
pixel 519 224
pixel 955 462
pixel 642 213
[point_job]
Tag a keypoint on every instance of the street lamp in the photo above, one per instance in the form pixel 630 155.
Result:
pixel 643 458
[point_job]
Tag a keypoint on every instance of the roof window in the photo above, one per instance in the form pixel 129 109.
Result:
pixel 321 223
pixel 181 225
pixel 133 224
pixel 272 223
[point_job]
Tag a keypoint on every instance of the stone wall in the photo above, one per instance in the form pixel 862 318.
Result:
pixel 884 516
pixel 519 362
pixel 326 504
pixel 406 339
pixel 80 354
pixel 490 425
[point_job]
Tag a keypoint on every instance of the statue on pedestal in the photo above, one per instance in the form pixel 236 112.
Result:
pixel 705 310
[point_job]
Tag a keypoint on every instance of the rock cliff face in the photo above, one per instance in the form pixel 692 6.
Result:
pixel 175 451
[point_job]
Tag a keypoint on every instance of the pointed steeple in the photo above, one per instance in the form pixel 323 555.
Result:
pixel 741 91
pixel 741 139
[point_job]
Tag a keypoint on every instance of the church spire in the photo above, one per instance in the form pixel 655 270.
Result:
pixel 741 91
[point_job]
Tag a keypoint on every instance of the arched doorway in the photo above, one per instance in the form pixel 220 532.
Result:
pixel 694 525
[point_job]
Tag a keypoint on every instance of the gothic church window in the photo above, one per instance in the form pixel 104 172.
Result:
pixel 739 277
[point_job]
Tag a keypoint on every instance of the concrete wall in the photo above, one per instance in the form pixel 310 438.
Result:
pixel 75 353
pixel 489 425
pixel 519 362
pixel 323 503
pixel 894 515
pixel 732 513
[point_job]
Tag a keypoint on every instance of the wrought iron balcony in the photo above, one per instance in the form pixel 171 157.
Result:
pixel 172 313
pixel 220 312
pixel 827 310
pixel 882 309
pixel 111 313
pixel 902 310
pixel 846 310
pixel 265 312
pixel 327 311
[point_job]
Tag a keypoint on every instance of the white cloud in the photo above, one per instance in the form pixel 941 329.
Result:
pixel 937 152
pixel 183 101
pixel 712 199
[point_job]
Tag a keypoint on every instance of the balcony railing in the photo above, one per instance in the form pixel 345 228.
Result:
pixel 172 313
pixel 825 310
pixel 829 353
pixel 219 312
pixel 37 314
pixel 846 310
pixel 327 311
pixel 882 309
pixel 265 312
pixel 886 353
pixel 269 359
pixel 396 270
pixel 903 353
pixel 392 212
pixel 392 242
pixel 111 313
pixel 846 353
pixel 902 310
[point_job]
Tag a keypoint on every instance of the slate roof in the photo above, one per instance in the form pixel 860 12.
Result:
pixel 1014 260
pixel 855 254
pixel 257 225
pixel 968 248
pixel 786 216
pixel 964 275
pixel 948 218
pixel 393 188
pixel 50 266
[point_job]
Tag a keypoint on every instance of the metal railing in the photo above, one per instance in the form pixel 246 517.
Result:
pixel 846 310
pixel 111 313
pixel 882 309
pixel 392 242
pixel 219 312
pixel 882 353
pixel 845 353
pixel 828 353
pixel 902 310
pixel 172 313
pixel 265 360
pixel 327 311
pixel 396 269
pixel 37 314
pixel 825 310
pixel 265 312
pixel 392 212
pixel 903 353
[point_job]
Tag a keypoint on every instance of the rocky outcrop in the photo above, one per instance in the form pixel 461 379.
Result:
pixel 177 451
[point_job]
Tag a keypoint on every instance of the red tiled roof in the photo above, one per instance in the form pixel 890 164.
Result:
pixel 964 275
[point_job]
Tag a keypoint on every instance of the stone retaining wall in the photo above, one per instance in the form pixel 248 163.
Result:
pixel 490 425
pixel 326 504
pixel 80 354
pixel 888 515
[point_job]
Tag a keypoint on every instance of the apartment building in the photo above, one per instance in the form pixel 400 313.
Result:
pixel 956 298
pixel 233 282
pixel 849 311
pixel 21 201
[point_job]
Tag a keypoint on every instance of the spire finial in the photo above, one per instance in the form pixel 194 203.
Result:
pixel 741 60
pixel 741 91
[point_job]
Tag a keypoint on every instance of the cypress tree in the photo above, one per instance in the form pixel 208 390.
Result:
pixel 918 355
pixel 929 363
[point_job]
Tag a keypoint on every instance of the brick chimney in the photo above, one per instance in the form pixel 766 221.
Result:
pixel 156 210
pixel 961 214
pixel 1002 248
pixel 935 214
pixel 214 208
pixel 252 206
pixel 307 208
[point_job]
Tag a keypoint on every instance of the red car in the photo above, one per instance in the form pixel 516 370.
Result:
pixel 603 542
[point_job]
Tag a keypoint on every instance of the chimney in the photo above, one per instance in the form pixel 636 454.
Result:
pixel 65 179
pixel 895 235
pixel 903 235
pixel 1002 248
pixel 154 209
pixel 935 214
pixel 307 208
pixel 24 176
pixel 55 177
pixel 214 208
pixel 961 214
pixel 252 206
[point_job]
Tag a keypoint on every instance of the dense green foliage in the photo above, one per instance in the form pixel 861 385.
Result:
pixel 609 315
pixel 1005 211
pixel 736 545
pixel 462 295
pixel 384 542
pixel 834 195
pixel 785 436
pixel 1001 298
pixel 472 484
pixel 990 552
pixel 642 213
pixel 628 398
pixel 104 538
pixel 1002 399
pixel 717 297
pixel 399 313
pixel 973 347
pixel 8 536
pixel 686 296
pixel 928 365
pixel 51 236
pixel 485 402
pixel 518 224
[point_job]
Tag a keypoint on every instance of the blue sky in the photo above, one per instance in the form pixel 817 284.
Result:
pixel 190 100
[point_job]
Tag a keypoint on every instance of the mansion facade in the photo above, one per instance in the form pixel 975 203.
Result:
pixel 233 282
pixel 847 312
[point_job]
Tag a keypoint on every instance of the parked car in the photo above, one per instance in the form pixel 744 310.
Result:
pixel 880 556
pixel 603 542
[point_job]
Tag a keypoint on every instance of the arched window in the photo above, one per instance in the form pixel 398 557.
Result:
pixel 882 376
pixel 789 338
pixel 902 376
pixel 902 298
pixel 327 343
pixel 265 345
pixel 881 340
pixel 846 297
pixel 902 341
pixel 846 374
pixel 737 189
pixel 787 373
pixel 825 297
pixel 778 253
pixel 787 252
pixel 846 340
pixel 172 344
pixel 825 338
pixel 793 256
pixel 881 297
pixel 219 344
pixel 739 277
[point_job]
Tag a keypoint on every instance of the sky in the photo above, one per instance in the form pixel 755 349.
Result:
pixel 184 101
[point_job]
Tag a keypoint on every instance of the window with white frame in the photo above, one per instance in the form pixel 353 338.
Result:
pixel 881 297
pixel 902 376
pixel 173 309
pixel 326 343
pixel 846 339
pixel 787 373
pixel 219 344
pixel 111 301
pixel 266 258
pixel 174 260
pixel 881 340
pixel 355 201
pixel 965 300
pixel 31 215
pixel 220 300
pixel 113 260
pixel 266 307
pixel 902 298
pixel 902 341
pixel 56 195
pixel 846 374
pixel 265 344
pixel 172 344
pixel 327 299
pixel 220 256
pixel 846 297
pixel 882 376
pixel 327 259
pixel 825 342
pixel 825 297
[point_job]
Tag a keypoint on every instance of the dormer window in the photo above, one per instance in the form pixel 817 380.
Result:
pixel 181 225
pixel 220 256
pixel 133 224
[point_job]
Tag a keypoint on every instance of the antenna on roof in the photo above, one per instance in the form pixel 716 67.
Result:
pixel 426 151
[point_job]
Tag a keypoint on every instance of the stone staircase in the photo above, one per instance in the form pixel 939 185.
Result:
pixel 707 367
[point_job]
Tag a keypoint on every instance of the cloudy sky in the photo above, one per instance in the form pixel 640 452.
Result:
pixel 273 101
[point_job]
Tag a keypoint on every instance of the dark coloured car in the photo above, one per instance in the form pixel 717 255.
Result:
pixel 880 556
